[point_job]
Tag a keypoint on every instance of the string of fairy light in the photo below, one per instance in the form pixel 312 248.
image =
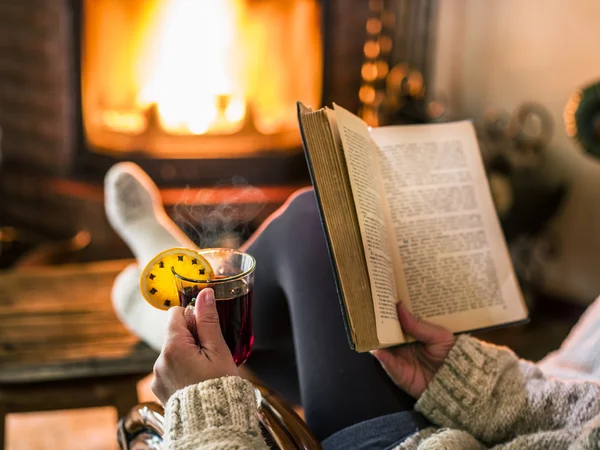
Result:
pixel 385 90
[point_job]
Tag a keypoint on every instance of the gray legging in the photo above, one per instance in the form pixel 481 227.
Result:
pixel 301 348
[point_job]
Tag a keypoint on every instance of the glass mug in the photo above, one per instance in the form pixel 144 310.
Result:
pixel 233 283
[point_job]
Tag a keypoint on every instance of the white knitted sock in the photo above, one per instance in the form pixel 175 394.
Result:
pixel 135 211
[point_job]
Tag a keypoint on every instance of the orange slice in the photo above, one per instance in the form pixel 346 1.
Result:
pixel 157 281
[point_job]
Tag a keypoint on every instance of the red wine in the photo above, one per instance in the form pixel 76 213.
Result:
pixel 235 319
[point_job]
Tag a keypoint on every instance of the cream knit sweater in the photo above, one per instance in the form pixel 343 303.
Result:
pixel 482 397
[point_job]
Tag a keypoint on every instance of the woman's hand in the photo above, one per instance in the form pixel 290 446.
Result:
pixel 413 366
pixel 182 362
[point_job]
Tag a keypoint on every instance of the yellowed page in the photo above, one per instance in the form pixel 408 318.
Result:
pixel 369 202
pixel 456 270
pixel 327 165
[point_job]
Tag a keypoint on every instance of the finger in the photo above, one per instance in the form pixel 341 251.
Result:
pixel 207 322
pixel 177 330
pixel 425 332
pixel 176 320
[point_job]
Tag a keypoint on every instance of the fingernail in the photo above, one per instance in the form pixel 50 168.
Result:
pixel 208 296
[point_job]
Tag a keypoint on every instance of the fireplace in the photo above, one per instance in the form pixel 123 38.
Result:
pixel 196 92
pixel 198 79
pixel 75 101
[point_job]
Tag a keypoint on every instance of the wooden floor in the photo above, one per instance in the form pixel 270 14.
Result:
pixel 85 429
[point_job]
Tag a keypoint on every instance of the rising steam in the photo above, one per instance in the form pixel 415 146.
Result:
pixel 220 217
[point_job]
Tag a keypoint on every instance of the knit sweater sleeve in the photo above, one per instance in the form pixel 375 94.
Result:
pixel 488 392
pixel 219 413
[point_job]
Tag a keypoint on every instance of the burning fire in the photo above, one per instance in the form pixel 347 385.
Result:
pixel 186 77
pixel 158 73
pixel 188 70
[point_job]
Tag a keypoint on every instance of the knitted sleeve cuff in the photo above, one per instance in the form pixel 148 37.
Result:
pixel 215 411
pixel 465 383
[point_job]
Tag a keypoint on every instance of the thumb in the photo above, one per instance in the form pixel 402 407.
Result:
pixel 207 321
pixel 425 332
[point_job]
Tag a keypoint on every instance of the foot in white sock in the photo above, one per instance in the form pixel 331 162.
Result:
pixel 135 211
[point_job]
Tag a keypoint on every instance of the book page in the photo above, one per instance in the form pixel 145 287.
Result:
pixel 363 170
pixel 456 270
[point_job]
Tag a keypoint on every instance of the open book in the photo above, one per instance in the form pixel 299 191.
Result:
pixel 408 216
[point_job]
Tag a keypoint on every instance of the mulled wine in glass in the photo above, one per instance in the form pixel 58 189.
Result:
pixel 232 283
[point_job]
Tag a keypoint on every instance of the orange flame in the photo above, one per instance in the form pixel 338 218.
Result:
pixel 153 69
pixel 196 88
